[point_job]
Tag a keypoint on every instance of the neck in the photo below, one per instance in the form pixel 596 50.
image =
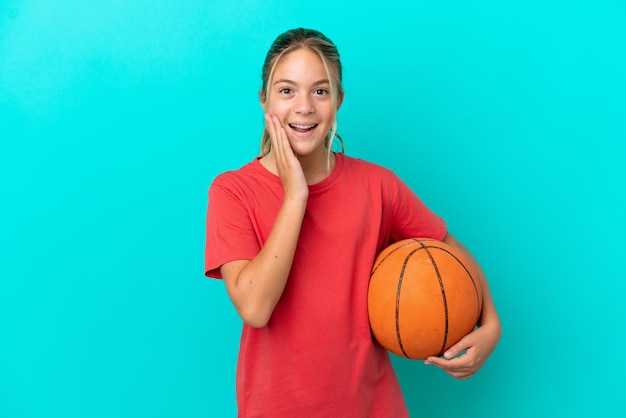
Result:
pixel 317 168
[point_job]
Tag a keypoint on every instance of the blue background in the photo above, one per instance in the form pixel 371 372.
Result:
pixel 507 118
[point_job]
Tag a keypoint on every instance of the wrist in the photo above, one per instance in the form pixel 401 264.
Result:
pixel 296 198
pixel 295 203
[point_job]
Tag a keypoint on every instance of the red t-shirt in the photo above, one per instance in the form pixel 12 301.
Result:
pixel 316 357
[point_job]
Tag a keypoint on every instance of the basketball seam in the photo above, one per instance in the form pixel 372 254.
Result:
pixel 466 270
pixel 398 293
pixel 391 252
pixel 426 248
pixel 443 296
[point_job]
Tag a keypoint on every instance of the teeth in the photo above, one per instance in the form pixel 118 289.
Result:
pixel 302 126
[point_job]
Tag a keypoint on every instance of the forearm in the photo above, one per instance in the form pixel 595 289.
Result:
pixel 257 287
pixel 478 344
pixel 489 315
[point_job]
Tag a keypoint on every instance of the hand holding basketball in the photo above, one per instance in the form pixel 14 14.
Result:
pixel 478 345
pixel 423 298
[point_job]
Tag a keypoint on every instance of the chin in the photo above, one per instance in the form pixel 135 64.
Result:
pixel 306 148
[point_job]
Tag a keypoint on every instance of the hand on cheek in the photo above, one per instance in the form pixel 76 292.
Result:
pixel 287 164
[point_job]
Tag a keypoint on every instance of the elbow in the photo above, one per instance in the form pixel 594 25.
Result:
pixel 253 302
pixel 255 322
pixel 255 317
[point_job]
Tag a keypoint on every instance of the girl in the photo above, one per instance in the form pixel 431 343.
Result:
pixel 294 234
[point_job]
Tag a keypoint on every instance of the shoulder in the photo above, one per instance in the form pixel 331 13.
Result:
pixel 233 176
pixel 249 184
pixel 232 183
pixel 249 175
pixel 367 169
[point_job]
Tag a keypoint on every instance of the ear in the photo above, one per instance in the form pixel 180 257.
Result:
pixel 262 100
pixel 340 100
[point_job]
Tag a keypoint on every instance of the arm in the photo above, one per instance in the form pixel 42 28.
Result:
pixel 255 286
pixel 478 344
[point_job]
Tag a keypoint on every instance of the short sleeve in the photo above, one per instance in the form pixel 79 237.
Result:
pixel 411 217
pixel 230 234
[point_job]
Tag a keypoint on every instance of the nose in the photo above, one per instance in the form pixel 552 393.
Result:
pixel 304 104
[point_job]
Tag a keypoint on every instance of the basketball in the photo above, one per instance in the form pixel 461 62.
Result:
pixel 423 298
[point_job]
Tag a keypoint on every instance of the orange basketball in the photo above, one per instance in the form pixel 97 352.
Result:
pixel 423 298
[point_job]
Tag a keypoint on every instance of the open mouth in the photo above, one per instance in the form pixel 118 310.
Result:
pixel 302 128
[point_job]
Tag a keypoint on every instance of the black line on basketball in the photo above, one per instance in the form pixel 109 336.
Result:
pixel 398 336
pixel 391 252
pixel 478 301
pixel 443 296
pixel 426 245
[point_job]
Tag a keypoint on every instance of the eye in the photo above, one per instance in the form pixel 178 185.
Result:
pixel 285 90
pixel 322 92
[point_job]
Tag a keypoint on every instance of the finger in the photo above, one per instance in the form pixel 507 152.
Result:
pixel 286 154
pixel 444 363
pixel 456 371
pixel 463 344
pixel 454 351
pixel 279 140
pixel 466 364
pixel 455 365
pixel 271 129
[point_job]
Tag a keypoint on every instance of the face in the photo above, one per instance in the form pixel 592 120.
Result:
pixel 299 95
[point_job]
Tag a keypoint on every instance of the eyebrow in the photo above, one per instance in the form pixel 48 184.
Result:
pixel 293 83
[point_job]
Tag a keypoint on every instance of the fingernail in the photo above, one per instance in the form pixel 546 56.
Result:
pixel 447 354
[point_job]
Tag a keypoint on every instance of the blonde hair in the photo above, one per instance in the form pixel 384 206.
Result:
pixel 327 51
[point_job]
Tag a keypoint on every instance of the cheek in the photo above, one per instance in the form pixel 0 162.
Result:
pixel 325 108
pixel 278 109
pixel 329 116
